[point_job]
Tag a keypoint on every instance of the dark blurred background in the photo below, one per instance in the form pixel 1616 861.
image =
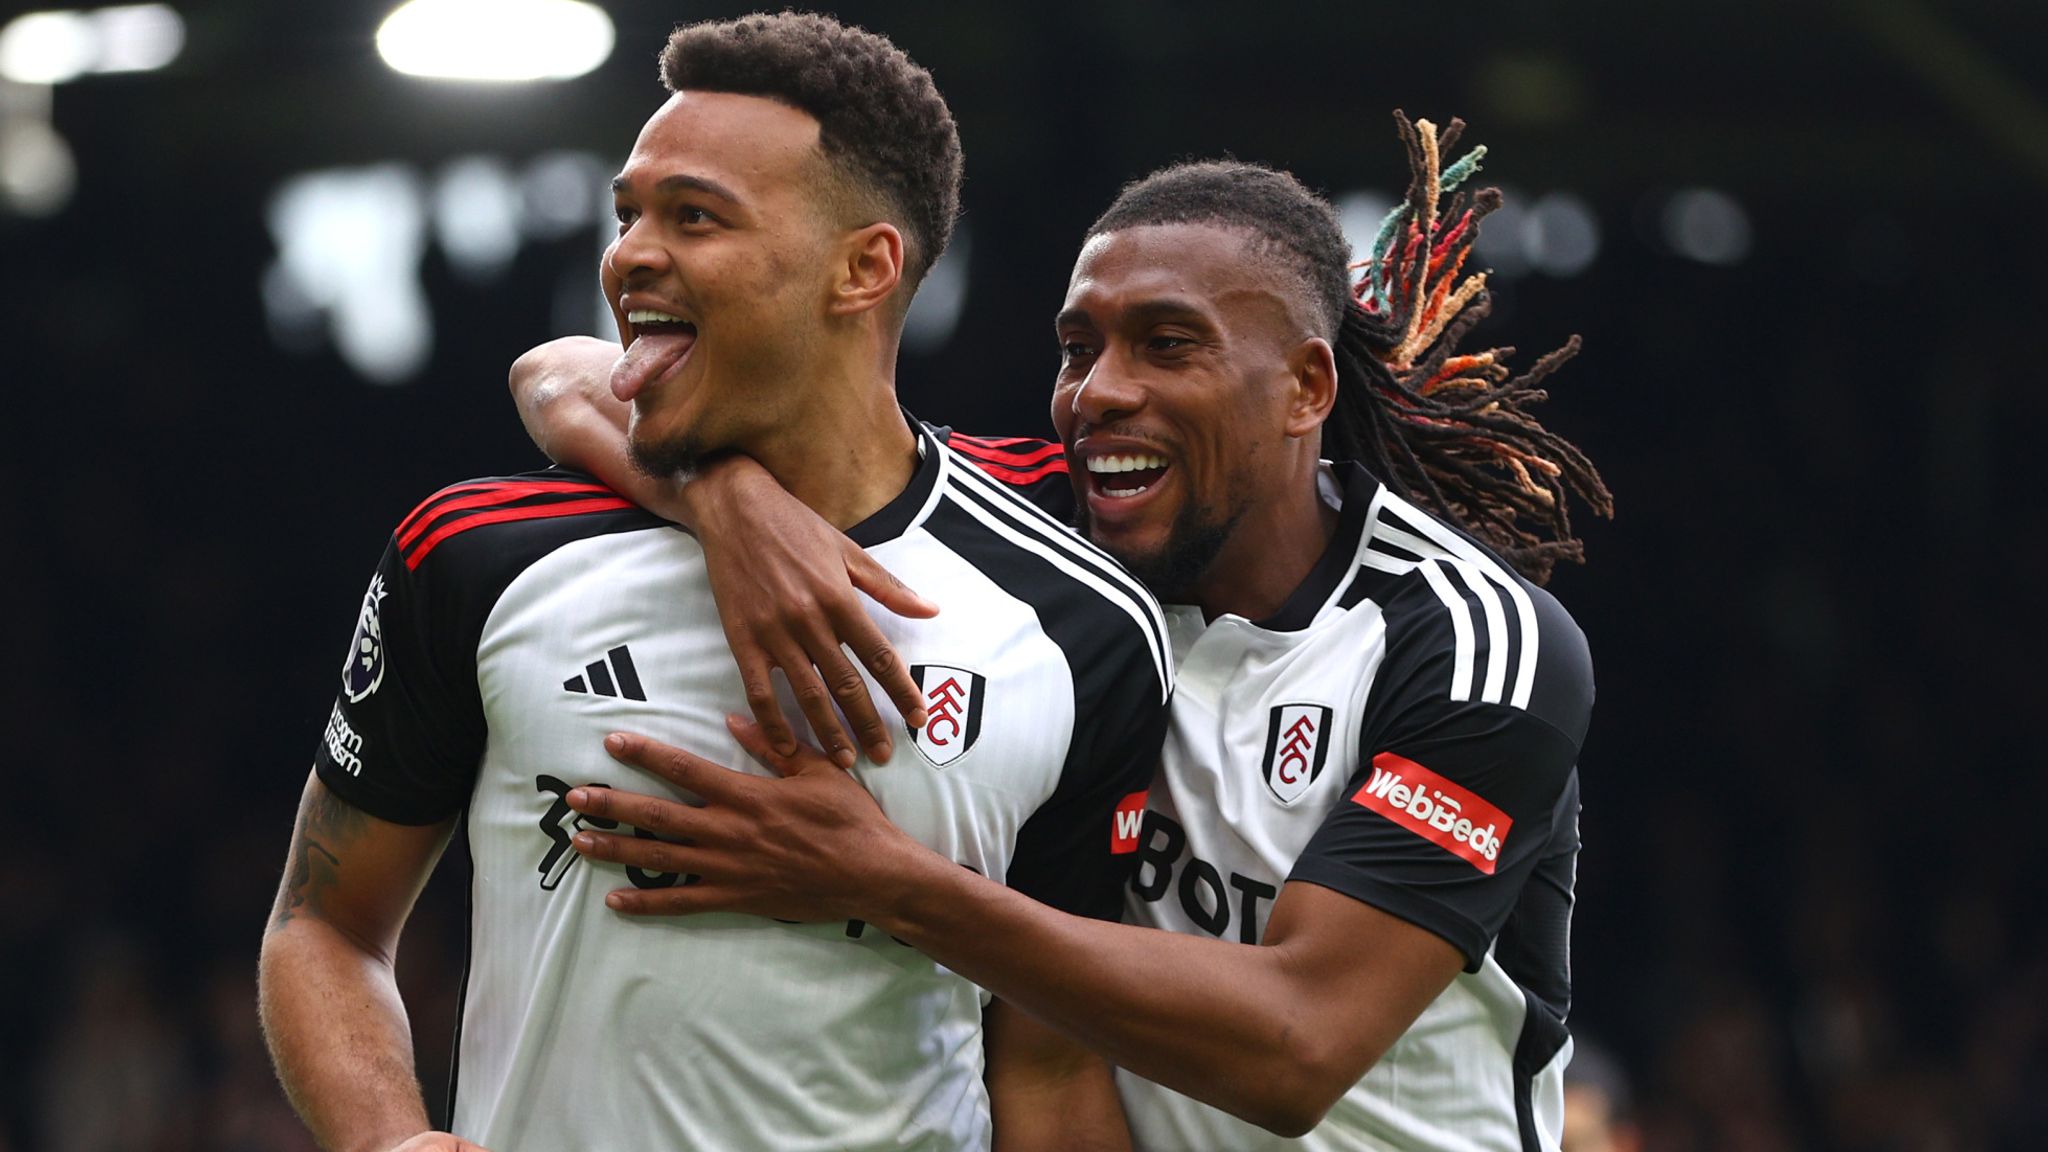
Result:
pixel 270 305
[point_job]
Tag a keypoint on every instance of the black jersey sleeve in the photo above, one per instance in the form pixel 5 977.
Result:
pixel 407 729
pixel 1079 849
pixel 1469 744
pixel 1034 469
pixel 407 732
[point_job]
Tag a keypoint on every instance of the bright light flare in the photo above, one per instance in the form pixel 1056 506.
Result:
pixel 137 37
pixel 501 40
pixel 47 47
pixel 61 45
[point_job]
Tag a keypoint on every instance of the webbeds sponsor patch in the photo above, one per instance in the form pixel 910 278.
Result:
pixel 1124 824
pixel 1449 816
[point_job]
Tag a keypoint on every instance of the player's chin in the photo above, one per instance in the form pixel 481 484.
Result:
pixel 665 451
pixel 1136 545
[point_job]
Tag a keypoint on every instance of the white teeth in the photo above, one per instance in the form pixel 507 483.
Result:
pixel 649 316
pixel 1121 492
pixel 1125 464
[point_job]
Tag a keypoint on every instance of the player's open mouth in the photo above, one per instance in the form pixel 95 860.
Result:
pixel 1124 475
pixel 661 342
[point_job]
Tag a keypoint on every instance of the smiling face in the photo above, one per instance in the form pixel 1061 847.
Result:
pixel 1179 398
pixel 719 276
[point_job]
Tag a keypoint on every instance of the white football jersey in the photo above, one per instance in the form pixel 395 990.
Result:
pixel 513 623
pixel 1405 730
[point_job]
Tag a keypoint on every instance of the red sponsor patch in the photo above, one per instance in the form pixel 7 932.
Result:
pixel 1124 824
pixel 1447 815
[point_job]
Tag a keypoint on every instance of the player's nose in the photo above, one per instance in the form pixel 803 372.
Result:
pixel 638 254
pixel 1108 393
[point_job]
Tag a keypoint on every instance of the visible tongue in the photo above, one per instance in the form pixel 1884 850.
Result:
pixel 646 358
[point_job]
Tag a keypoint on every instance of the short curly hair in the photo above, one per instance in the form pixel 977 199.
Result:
pixel 1288 222
pixel 882 122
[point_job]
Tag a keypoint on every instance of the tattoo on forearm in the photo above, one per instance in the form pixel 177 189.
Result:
pixel 326 823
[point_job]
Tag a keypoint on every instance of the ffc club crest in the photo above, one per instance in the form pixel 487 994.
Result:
pixel 1297 744
pixel 952 705
pixel 364 669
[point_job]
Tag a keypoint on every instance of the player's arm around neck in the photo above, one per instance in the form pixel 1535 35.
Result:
pixel 787 584
pixel 327 993
pixel 562 390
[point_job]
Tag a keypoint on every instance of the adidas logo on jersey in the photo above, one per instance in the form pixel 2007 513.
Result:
pixel 1451 817
pixel 614 675
pixel 952 704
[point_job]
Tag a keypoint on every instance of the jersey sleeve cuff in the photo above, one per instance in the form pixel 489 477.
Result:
pixel 1456 929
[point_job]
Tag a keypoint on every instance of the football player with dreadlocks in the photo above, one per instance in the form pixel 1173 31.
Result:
pixel 1349 923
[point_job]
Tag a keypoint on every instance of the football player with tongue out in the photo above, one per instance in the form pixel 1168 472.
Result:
pixel 1349 926
pixel 774 218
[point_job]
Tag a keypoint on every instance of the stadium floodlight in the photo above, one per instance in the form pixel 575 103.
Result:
pixel 57 46
pixel 47 47
pixel 137 37
pixel 496 39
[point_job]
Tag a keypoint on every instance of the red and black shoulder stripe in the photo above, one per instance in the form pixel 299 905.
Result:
pixel 474 504
pixel 1012 459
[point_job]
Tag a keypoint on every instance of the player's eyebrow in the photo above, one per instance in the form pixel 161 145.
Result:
pixel 1159 310
pixel 1165 308
pixel 680 182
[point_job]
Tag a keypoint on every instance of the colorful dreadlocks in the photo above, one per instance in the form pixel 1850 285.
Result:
pixel 1450 428
pixel 1445 428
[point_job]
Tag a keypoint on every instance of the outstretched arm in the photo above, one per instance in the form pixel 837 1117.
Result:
pixel 328 998
pixel 787 584
pixel 1274 1032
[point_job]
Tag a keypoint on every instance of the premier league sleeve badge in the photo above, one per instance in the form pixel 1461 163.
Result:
pixel 363 671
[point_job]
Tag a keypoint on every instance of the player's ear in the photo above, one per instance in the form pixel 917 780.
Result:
pixel 870 268
pixel 1312 373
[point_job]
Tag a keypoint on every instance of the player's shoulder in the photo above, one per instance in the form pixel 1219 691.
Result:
pixel 1456 605
pixel 1032 468
pixel 498 519
pixel 1087 601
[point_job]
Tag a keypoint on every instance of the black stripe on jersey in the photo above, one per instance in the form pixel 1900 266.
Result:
pixel 1138 606
pixel 462 988
pixel 1475 574
pixel 1029 516
pixel 1062 853
pixel 1075 615
pixel 1393 551
pixel 1337 560
pixel 1366 583
pixel 896 517
pixel 1543 1035
pixel 1040 532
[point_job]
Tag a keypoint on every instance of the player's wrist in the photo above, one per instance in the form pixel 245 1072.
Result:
pixel 717 491
pixel 913 888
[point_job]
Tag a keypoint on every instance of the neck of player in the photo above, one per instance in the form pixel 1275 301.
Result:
pixel 851 452
pixel 1271 551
